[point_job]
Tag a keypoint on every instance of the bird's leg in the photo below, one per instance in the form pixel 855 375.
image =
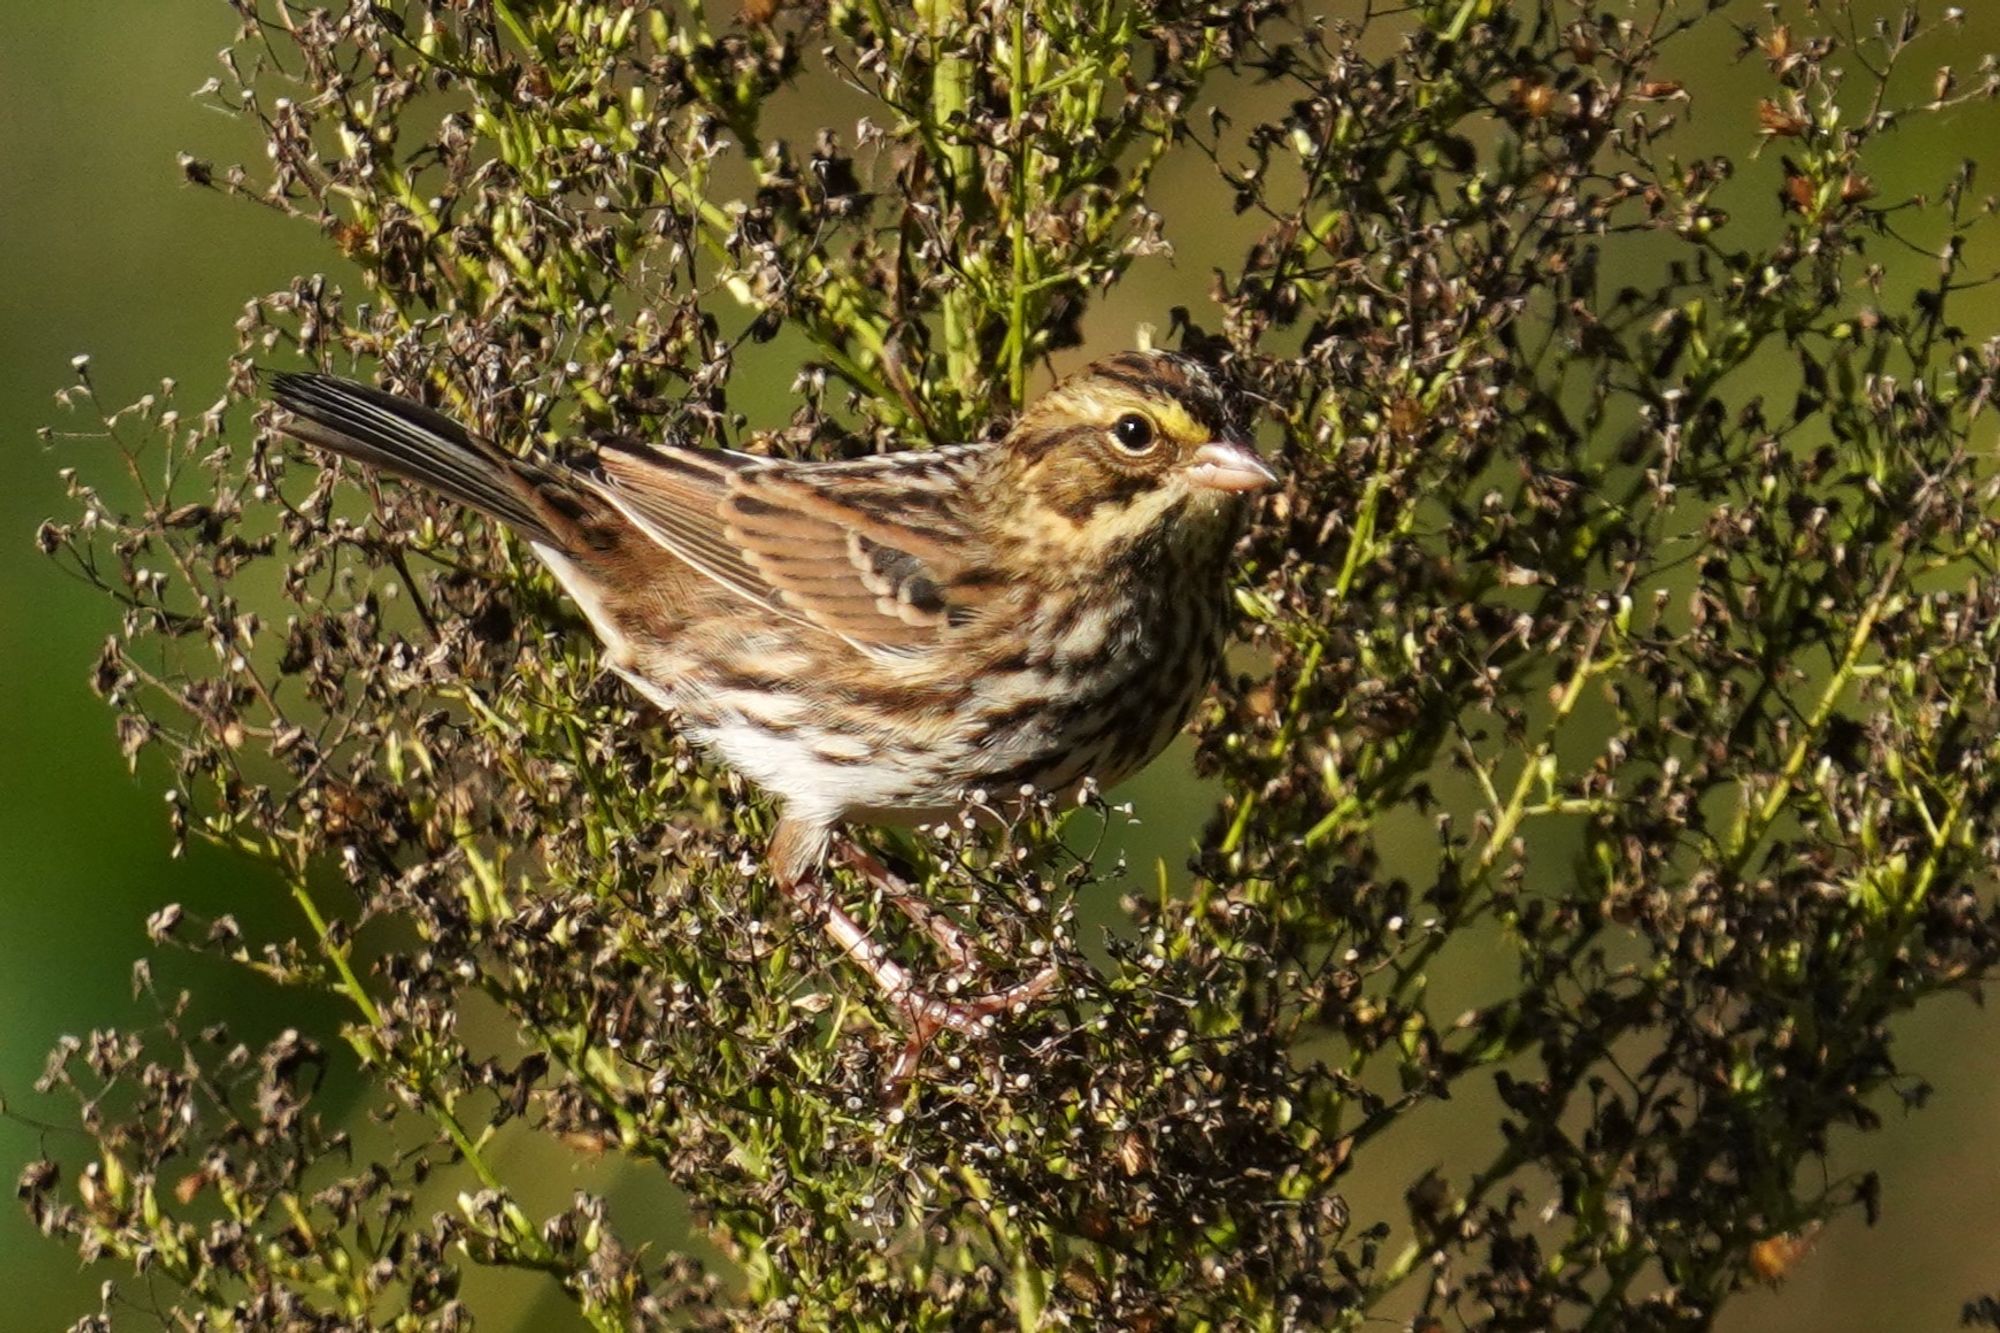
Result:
pixel 905 899
pixel 894 980
pixel 950 936
pixel 796 849
pixel 926 1014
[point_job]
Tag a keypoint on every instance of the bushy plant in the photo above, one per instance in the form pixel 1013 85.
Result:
pixel 1624 639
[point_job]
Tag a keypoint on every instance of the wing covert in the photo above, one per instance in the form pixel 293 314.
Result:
pixel 873 550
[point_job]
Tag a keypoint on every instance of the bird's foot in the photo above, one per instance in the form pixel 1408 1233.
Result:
pixel 928 1015
pixel 925 1014
pixel 905 898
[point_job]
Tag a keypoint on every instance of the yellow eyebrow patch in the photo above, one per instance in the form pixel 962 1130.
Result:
pixel 1176 421
pixel 1107 402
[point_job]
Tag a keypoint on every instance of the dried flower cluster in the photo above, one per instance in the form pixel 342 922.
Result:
pixel 1630 618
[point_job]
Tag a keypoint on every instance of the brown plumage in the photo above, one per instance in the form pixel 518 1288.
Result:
pixel 871 640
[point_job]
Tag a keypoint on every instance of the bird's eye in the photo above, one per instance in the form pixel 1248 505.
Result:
pixel 1134 433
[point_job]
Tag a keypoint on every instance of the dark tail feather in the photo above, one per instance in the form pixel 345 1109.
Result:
pixel 412 441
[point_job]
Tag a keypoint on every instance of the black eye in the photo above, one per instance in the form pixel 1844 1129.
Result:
pixel 1134 432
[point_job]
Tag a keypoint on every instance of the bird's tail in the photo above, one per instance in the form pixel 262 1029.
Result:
pixel 427 447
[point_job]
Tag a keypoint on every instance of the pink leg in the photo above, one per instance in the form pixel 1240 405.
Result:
pixel 940 927
pixel 796 851
pixel 949 936
pixel 925 1013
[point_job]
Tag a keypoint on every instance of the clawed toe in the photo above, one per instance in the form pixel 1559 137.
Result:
pixel 926 1016
pixel 898 893
pixel 924 1013
pixel 973 1017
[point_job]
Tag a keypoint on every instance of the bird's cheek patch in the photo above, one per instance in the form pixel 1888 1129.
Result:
pixel 1118 525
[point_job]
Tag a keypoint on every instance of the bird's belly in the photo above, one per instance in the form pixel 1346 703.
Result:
pixel 823 769
pixel 1098 698
pixel 922 763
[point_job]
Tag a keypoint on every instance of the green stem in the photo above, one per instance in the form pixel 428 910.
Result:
pixel 1755 825
pixel 1017 312
pixel 504 11
pixel 1509 817
pixel 1461 20
pixel 951 100
pixel 419 1079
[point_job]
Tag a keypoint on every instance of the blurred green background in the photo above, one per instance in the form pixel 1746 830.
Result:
pixel 108 253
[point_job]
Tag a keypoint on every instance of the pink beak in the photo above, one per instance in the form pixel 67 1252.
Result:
pixel 1223 465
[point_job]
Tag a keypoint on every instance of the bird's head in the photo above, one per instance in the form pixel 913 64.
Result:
pixel 1139 445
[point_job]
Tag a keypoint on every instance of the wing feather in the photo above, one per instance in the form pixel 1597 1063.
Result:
pixel 870 550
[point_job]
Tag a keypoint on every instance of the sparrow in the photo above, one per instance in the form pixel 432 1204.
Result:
pixel 876 640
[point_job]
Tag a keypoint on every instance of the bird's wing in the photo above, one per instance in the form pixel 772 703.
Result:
pixel 873 550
